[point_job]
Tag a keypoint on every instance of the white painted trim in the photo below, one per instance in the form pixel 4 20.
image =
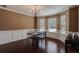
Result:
pixel 58 36
pixel 13 35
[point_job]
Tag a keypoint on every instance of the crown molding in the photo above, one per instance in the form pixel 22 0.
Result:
pixel 5 8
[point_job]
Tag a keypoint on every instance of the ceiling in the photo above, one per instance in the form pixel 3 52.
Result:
pixel 45 10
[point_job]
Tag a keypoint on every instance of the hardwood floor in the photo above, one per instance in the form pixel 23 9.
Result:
pixel 47 45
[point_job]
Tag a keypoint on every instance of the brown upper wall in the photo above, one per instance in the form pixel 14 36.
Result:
pixel 35 22
pixel 73 19
pixel 13 21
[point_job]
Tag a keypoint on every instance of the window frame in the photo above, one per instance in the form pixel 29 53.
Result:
pixel 63 25
pixel 43 29
pixel 55 24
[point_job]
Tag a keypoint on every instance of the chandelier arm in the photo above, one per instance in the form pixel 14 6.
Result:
pixel 35 11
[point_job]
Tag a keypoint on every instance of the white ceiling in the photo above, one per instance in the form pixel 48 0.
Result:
pixel 45 10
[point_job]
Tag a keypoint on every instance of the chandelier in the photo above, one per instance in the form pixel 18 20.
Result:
pixel 35 11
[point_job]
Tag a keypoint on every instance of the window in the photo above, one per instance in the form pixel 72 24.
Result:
pixel 52 25
pixel 63 24
pixel 42 24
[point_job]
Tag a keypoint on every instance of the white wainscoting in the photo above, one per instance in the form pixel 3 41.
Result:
pixel 13 35
pixel 59 36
